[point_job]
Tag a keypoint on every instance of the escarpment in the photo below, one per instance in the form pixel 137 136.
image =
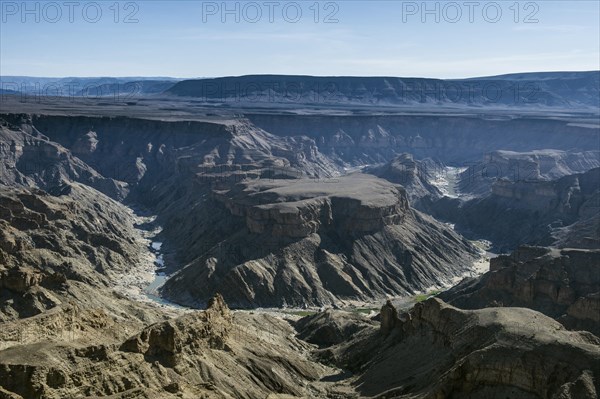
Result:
pixel 30 159
pixel 530 167
pixel 261 90
pixel 452 139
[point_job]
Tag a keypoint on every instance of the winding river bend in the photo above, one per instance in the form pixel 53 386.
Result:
pixel 142 281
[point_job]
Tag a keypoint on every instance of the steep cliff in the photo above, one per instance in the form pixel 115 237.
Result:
pixel 459 139
pixel 415 176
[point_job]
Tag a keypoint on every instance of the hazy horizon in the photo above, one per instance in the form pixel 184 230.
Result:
pixel 275 74
pixel 345 38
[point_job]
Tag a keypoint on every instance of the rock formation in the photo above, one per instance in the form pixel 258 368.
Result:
pixel 440 351
pixel 165 341
pixel 331 327
pixel 55 246
pixel 460 140
pixel 389 318
pixel 204 354
pixel 563 284
pixel 30 159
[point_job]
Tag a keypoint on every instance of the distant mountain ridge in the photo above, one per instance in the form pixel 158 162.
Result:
pixel 568 90
pixel 532 89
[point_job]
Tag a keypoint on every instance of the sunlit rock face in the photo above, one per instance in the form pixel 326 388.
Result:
pixel 437 350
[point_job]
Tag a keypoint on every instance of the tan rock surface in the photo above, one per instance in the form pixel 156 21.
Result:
pixel 443 352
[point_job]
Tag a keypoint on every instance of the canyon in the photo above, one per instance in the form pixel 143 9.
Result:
pixel 308 249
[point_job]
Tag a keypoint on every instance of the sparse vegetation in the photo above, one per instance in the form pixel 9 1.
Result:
pixel 424 297
pixel 301 313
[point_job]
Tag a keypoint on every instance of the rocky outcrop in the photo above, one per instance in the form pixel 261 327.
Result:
pixel 563 284
pixel 166 341
pixel 204 354
pixel 582 314
pixel 389 318
pixel 441 351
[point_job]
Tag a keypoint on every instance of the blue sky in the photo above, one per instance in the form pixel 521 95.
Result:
pixel 370 38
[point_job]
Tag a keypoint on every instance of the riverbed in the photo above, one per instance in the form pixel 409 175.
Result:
pixel 142 281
